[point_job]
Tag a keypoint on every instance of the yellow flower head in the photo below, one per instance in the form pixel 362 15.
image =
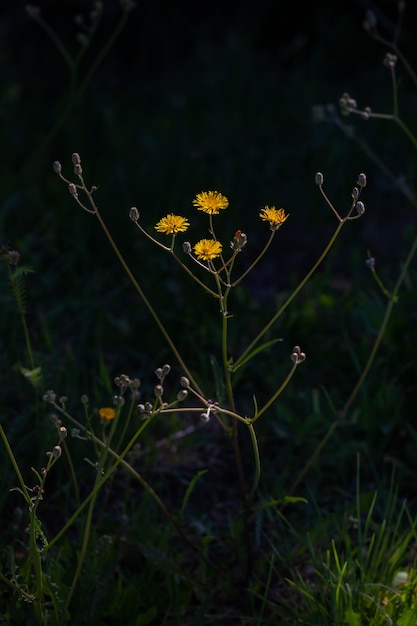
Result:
pixel 107 414
pixel 172 224
pixel 207 249
pixel 275 217
pixel 210 202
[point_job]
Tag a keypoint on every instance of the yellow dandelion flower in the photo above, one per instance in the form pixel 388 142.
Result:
pixel 210 202
pixel 275 217
pixel 172 224
pixel 107 414
pixel 207 249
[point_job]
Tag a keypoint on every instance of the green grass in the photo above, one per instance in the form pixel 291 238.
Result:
pixel 235 115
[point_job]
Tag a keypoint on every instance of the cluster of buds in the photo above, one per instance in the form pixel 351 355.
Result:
pixel 297 356
pixel 124 382
pixel 349 105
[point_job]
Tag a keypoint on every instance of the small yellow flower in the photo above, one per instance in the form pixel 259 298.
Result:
pixel 172 224
pixel 210 202
pixel 207 249
pixel 275 217
pixel 107 414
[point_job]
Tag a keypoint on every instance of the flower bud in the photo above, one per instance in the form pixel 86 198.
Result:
pixel 184 382
pixel 158 391
pixel 361 182
pixel 57 167
pixel 360 207
pixel 76 158
pixel 182 394
pixel 319 179
pixel 186 246
pixel 56 452
pixel 73 190
pixel 134 214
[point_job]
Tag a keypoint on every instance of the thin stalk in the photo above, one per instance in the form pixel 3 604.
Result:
pixel 84 545
pixel 388 312
pixel 146 301
pixel 256 261
pixel 291 297
pixel 276 394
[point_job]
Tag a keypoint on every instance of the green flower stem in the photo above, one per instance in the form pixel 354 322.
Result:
pixel 296 291
pixel 388 312
pixel 193 276
pixel 257 460
pixel 256 261
pixel 275 396
pixel 145 300
pixel 15 466
pixel 86 537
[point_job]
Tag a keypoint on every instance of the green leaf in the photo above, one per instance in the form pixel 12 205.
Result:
pixel 260 348
pixel 218 377
pixel 189 491
pixel 350 618
pixel 408 618
pixel 33 376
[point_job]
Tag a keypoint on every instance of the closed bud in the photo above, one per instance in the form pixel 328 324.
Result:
pixel 361 180
pixel 319 179
pixel 73 190
pixel 186 246
pixel 184 382
pixel 182 394
pixel 62 432
pixel 360 207
pixel 158 391
pixel 134 214
pixel 56 452
pixel 78 170
pixel 76 158
pixel 57 167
